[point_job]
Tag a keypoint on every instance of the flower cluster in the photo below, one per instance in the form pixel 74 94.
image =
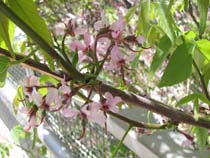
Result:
pixel 36 104
pixel 94 111
pixel 58 98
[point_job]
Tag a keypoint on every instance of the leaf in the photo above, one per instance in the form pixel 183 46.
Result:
pixel 4 64
pixel 18 133
pixel 16 101
pixel 186 99
pixel 130 13
pixel 206 74
pixel 201 135
pixel 75 59
pixel 161 53
pixel 190 36
pixel 6 31
pixel 27 11
pixel 46 79
pixel 203 11
pixel 192 97
pixel 204 47
pixel 165 20
pixel 135 61
pixel 179 67
pixel 144 17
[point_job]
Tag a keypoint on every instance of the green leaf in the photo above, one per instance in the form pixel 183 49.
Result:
pixel 4 64
pixel 203 6
pixel 192 97
pixel 6 31
pixel 189 36
pixel 46 79
pixel 187 99
pixel 75 59
pixel 16 101
pixel 18 133
pixel 165 20
pixel 206 74
pixel 130 13
pixel 204 47
pixel 201 136
pixel 144 17
pixel 179 67
pixel 135 61
pixel 27 11
pixel 161 53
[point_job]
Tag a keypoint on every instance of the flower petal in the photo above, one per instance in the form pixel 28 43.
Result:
pixel 67 112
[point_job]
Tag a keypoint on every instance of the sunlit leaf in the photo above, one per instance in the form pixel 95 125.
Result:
pixel 179 67
pixel 18 133
pixel 201 135
pixel 6 31
pixel 4 64
pixel 27 11
pixel 204 47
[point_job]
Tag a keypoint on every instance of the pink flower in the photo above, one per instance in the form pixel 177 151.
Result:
pixel 118 28
pixel 83 48
pixel 69 113
pixel 60 29
pixel 53 100
pixel 66 91
pixel 111 103
pixel 93 114
pixel 31 81
pixel 32 123
pixel 117 60
pixel 77 46
pixel 37 98
pixel 29 89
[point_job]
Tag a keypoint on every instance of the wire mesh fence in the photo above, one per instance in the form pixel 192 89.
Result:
pixel 97 142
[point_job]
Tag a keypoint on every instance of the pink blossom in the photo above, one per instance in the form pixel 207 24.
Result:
pixel 53 100
pixel 118 28
pixel 77 46
pixel 111 103
pixel 69 113
pixel 31 124
pixel 117 60
pixel 83 48
pixel 29 89
pixel 31 81
pixel 37 98
pixel 66 91
pixel 60 29
pixel 93 114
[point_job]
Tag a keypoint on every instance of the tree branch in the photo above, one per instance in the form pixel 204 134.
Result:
pixel 175 115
